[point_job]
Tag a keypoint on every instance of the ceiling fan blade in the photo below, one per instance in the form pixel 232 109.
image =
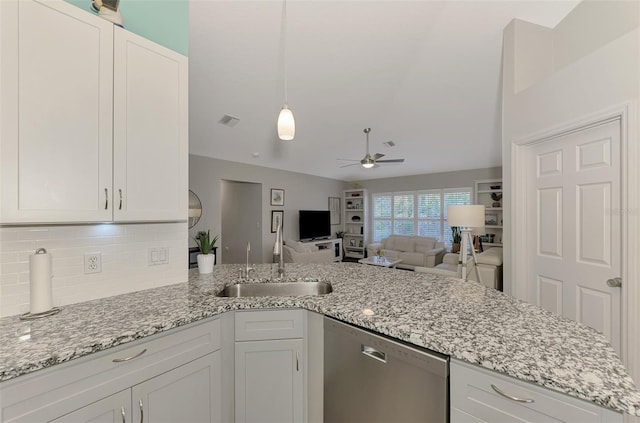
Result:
pixel 390 161
pixel 350 160
pixel 378 156
pixel 352 164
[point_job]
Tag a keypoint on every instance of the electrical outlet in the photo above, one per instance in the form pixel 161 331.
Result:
pixel 93 262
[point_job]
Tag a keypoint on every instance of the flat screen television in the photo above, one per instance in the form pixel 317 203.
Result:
pixel 314 224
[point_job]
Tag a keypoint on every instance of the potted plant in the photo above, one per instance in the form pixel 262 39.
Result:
pixel 207 258
pixel 457 239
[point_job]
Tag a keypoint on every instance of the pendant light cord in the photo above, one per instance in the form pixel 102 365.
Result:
pixel 284 51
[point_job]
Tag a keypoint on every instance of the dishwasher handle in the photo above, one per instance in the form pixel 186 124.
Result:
pixel 373 353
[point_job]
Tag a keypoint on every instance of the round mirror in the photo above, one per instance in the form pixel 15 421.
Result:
pixel 195 209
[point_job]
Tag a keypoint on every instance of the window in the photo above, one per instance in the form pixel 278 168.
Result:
pixel 422 213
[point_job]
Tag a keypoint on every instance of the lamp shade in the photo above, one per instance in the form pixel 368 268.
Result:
pixel 468 216
pixel 286 124
pixel 478 230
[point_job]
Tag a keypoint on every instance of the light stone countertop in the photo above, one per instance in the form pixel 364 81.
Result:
pixel 462 319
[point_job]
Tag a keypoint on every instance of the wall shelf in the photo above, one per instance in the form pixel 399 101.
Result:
pixel 483 192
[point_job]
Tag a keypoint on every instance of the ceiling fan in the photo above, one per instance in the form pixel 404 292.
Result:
pixel 370 161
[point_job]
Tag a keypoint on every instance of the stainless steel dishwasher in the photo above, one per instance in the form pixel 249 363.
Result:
pixel 370 378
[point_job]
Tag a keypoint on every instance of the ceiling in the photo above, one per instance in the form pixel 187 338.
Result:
pixel 424 74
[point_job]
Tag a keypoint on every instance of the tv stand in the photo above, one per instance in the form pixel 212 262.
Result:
pixel 334 244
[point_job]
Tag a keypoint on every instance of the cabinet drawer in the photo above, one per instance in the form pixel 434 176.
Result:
pixel 269 324
pixel 66 387
pixel 473 398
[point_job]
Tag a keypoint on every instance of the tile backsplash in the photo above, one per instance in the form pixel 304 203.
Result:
pixel 125 250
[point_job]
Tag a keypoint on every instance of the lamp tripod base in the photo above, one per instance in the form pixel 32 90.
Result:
pixel 463 269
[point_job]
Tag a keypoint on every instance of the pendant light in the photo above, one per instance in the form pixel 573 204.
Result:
pixel 286 122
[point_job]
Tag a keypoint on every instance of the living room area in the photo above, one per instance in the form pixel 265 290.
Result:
pixel 297 191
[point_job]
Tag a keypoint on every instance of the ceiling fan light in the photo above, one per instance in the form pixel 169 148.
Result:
pixel 368 162
pixel 286 124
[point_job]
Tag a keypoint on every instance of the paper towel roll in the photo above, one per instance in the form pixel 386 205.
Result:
pixel 40 281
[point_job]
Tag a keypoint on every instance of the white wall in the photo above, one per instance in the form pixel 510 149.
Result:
pixel 124 251
pixel 301 192
pixel 459 179
pixel 593 67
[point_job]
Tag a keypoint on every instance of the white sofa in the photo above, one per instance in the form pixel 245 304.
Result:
pixel 300 252
pixel 489 266
pixel 412 250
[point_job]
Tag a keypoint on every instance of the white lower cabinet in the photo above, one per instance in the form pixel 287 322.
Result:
pixel 189 393
pixel 269 366
pixel 480 395
pixel 113 409
pixel 170 377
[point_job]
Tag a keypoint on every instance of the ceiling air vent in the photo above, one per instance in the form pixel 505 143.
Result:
pixel 229 120
pixel 389 144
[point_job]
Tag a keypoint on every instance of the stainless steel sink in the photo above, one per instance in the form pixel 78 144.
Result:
pixel 276 289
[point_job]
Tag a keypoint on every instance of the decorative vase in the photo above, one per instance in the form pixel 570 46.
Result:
pixel 205 263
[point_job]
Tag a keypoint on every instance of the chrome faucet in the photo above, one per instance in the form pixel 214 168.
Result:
pixel 248 269
pixel 278 256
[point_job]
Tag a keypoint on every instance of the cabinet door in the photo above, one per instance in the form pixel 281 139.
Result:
pixel 189 393
pixel 475 397
pixel 56 113
pixel 150 130
pixel 113 409
pixel 269 381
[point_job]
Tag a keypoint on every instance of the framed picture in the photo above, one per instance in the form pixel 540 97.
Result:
pixel 277 197
pixel 277 218
pixel 334 210
pixel 491 219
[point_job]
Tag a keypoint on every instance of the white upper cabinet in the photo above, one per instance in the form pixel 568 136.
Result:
pixel 150 130
pixel 94 119
pixel 56 106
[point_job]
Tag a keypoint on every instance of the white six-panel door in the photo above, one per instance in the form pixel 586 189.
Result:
pixel 574 223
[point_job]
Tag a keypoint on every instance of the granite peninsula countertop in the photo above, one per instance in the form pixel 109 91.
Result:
pixel 462 319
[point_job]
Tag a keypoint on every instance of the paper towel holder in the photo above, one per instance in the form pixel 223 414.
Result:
pixel 35 316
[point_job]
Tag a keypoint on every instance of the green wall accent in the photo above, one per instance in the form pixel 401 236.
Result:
pixel 165 22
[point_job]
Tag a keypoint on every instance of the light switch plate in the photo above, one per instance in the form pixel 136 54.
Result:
pixel 157 256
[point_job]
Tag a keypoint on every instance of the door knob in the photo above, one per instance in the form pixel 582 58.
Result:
pixel 614 282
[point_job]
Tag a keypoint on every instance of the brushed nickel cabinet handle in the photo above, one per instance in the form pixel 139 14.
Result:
pixel 141 412
pixel 120 206
pixel 124 414
pixel 106 198
pixel 526 400
pixel 121 360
